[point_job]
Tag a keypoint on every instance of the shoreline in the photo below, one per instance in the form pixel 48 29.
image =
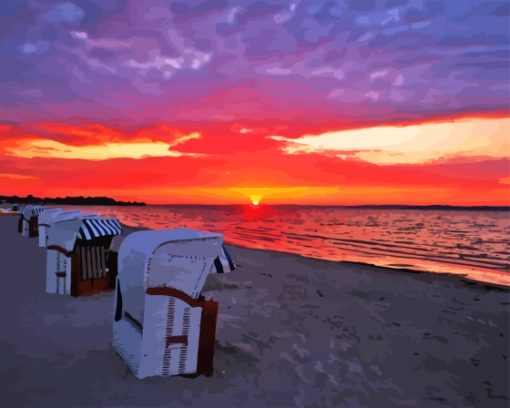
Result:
pixel 461 276
pixel 291 332
pixel 453 275
pixel 456 276
pixel 449 275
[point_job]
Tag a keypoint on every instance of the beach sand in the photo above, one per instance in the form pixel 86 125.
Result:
pixel 292 332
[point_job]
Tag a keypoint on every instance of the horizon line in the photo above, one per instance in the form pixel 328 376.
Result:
pixel 264 204
pixel 398 206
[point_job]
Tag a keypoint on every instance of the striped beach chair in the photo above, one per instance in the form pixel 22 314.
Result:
pixel 79 260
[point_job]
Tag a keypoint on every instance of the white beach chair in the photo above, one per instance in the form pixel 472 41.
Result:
pixel 162 326
pixel 27 223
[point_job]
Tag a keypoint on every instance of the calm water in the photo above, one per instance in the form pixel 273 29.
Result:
pixel 473 243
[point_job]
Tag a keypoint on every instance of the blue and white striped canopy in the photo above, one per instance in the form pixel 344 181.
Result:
pixel 224 263
pixel 99 227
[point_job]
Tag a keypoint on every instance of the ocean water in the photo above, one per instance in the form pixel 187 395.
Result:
pixel 471 243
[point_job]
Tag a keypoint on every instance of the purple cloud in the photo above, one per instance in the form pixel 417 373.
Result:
pixel 365 60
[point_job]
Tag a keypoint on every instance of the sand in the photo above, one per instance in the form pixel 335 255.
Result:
pixel 292 332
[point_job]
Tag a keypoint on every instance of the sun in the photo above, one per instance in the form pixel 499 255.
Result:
pixel 255 199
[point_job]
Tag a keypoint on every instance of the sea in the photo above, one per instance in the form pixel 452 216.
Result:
pixel 474 243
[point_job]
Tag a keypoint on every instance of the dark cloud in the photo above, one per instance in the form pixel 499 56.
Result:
pixel 175 60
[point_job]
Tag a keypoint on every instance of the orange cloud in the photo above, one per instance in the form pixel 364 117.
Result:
pixel 91 133
pixel 13 176
pixel 421 143
pixel 239 163
pixel 110 150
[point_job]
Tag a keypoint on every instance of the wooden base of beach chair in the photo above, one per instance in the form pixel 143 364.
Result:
pixel 33 230
pixel 89 287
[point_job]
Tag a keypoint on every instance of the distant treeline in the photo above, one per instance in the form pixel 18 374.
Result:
pixel 425 207
pixel 30 199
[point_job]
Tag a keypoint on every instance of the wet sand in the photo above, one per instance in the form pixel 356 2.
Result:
pixel 292 332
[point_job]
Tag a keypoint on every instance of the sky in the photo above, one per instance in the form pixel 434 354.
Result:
pixel 302 102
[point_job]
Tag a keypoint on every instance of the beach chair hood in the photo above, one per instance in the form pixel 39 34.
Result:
pixel 30 211
pixel 46 216
pixel 67 228
pixel 179 258
pixel 45 220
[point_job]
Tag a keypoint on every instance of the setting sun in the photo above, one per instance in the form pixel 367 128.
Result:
pixel 255 199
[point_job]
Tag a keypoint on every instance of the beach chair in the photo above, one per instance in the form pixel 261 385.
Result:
pixel 6 210
pixel 78 250
pixel 162 325
pixel 27 222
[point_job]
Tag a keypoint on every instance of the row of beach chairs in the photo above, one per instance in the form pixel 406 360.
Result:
pixel 162 324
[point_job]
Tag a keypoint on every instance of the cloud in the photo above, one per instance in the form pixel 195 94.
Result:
pixel 77 135
pixel 149 61
pixel 14 176
pixel 190 59
pixel 418 143
pixel 136 149
pixel 105 43
pixel 232 163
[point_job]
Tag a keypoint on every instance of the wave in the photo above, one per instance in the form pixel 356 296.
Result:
pixel 431 240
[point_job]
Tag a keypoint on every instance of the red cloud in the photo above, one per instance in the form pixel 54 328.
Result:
pixel 236 157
